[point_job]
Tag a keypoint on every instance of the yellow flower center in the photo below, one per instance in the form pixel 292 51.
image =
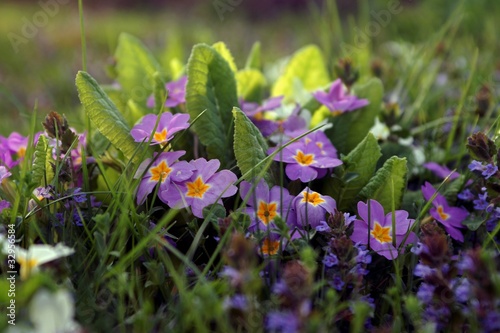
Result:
pixel 336 113
pixel 270 247
pixel 21 152
pixel 197 188
pixel 312 197
pixel 382 234
pixel 161 137
pixel 442 214
pixel 259 116
pixel 267 211
pixel 304 159
pixel 26 267
pixel 160 172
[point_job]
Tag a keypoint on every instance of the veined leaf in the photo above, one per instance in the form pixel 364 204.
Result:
pixel 389 182
pixel 253 60
pixel 360 164
pixel 104 115
pixel 351 127
pixel 308 66
pixel 212 87
pixel 135 66
pixel 251 83
pixel 39 160
pixel 223 50
pixel 250 147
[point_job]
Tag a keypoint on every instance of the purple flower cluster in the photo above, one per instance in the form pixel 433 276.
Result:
pixel 486 171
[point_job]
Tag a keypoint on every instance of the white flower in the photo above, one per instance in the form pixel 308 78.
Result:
pixel 380 130
pixel 53 312
pixel 37 255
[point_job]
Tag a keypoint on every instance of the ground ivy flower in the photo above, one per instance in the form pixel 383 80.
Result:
pixel 176 91
pixel 337 100
pixel 485 170
pixel 168 125
pixel 164 170
pixel 265 205
pixel 37 255
pixel 305 161
pixel 450 217
pixel 206 186
pixel 311 208
pixel 376 229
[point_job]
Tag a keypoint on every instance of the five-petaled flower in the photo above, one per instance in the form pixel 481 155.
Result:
pixel 306 161
pixel 176 91
pixel 37 255
pixel 206 186
pixel 311 208
pixel 377 230
pixel 165 169
pixel 450 217
pixel 168 125
pixel 337 101
pixel 265 205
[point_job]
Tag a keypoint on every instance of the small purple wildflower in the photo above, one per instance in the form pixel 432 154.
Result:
pixel 486 170
pixel 330 260
pixel 348 218
pixel 323 227
pixel 481 203
pixel 450 217
pixel 168 125
pixel 337 101
pixel 466 195
pixel 282 322
pixel 425 293
pixel 3 205
pixel 337 283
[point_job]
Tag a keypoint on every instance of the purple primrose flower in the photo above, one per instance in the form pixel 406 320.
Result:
pixel 311 208
pixel 206 186
pixel 176 91
pixel 164 170
pixel 265 205
pixel 168 125
pixel 450 217
pixel 376 229
pixel 441 171
pixel 337 101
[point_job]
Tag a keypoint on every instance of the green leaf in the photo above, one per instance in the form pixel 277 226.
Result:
pixel 250 147
pixel 389 182
pixel 351 127
pixel 135 66
pixel 104 115
pixel 253 60
pixel 39 160
pixel 361 162
pixel 308 66
pixel 212 87
pixel 251 83
pixel 226 54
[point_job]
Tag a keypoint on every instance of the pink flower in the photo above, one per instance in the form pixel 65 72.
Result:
pixel 337 101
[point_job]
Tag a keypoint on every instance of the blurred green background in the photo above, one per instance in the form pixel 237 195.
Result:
pixel 38 63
